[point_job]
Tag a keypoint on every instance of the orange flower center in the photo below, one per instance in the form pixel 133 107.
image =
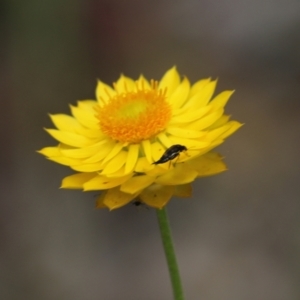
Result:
pixel 134 116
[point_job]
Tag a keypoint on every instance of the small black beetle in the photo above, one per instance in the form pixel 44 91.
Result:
pixel 137 203
pixel 170 154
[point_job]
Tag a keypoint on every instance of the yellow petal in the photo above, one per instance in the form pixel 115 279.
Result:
pixel 143 165
pixel 233 128
pixel 143 83
pixel 208 164
pixel 183 190
pixel 147 150
pixel 114 198
pixel 116 163
pixel 117 174
pixel 63 146
pixel 206 121
pixel 65 122
pixel 88 105
pixel 100 199
pixel 91 133
pixel 190 115
pixel 216 133
pixel 213 145
pixel 76 181
pixel 179 111
pixel 159 169
pixel 163 138
pixel 198 86
pixel 189 143
pixel 200 97
pixel 124 84
pixel 104 92
pixel 102 183
pixel 170 81
pixel 157 150
pixel 220 100
pixel 181 174
pixel 66 161
pixel 83 152
pixel 220 122
pixel 114 150
pixel 83 167
pixel 68 138
pixel 85 117
pixel 50 151
pixel 132 157
pixel 187 133
pixel 99 155
pixel 136 183
pixel 224 131
pixel 156 195
pixel 179 96
pixel 190 154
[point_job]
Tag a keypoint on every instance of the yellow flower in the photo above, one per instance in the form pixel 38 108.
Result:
pixel 112 142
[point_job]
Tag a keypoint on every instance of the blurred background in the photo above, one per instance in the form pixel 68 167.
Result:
pixel 238 238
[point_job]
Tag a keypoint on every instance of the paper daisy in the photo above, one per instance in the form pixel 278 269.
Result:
pixel 116 142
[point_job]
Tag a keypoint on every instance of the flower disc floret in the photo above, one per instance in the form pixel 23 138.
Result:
pixel 135 116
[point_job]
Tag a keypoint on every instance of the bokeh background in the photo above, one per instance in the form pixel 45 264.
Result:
pixel 238 238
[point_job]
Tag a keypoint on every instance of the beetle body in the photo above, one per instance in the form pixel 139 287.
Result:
pixel 170 154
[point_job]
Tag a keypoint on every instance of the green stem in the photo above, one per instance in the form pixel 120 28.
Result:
pixel 170 253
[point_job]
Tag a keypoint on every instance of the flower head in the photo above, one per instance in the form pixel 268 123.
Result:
pixel 142 139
